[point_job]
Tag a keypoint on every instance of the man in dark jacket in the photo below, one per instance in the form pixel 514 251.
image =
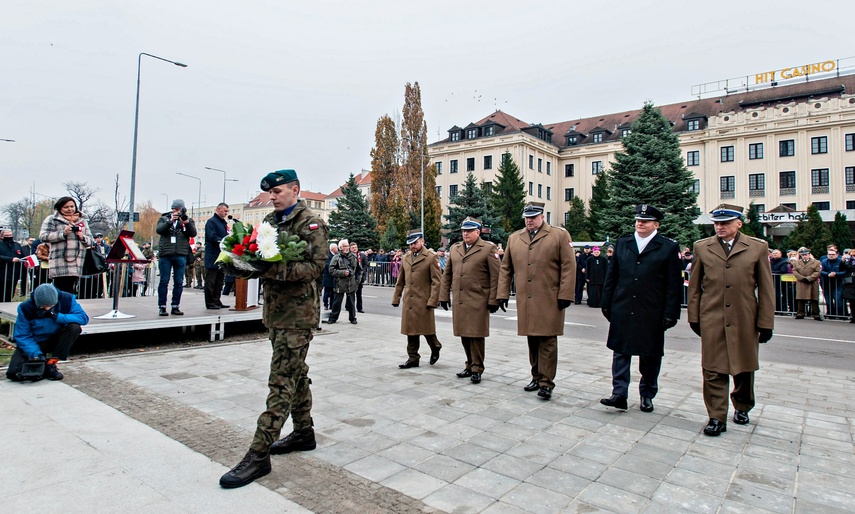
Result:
pixel 215 230
pixel 361 260
pixel 581 262
pixel 48 322
pixel 10 265
pixel 329 281
pixel 175 229
pixel 783 295
pixel 641 300
pixel 345 269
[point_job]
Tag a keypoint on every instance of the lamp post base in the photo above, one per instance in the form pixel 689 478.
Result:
pixel 115 314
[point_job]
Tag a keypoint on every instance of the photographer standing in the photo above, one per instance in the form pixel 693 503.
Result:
pixel 175 229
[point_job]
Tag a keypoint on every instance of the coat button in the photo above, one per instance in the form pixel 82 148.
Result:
pixel 727 324
pixel 727 265
pixel 727 285
pixel 727 305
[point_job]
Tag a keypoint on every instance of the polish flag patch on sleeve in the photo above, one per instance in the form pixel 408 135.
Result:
pixel 313 226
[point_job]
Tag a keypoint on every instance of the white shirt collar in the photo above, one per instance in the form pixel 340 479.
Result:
pixel 642 241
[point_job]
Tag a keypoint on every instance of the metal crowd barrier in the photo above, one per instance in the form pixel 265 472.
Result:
pixel 380 274
pixel 18 281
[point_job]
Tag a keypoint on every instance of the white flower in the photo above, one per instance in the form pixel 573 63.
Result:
pixel 266 232
pixel 267 249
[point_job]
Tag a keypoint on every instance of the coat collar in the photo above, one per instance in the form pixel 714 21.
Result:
pixel 479 245
pixel 541 233
pixel 740 244
pixel 654 242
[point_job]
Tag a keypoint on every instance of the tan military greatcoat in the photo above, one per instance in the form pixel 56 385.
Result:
pixel 723 300
pixel 544 270
pixel 810 270
pixel 470 281
pixel 418 284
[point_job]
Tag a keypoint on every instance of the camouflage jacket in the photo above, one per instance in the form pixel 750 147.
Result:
pixel 291 299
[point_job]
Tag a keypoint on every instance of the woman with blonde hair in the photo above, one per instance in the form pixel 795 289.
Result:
pixel 68 234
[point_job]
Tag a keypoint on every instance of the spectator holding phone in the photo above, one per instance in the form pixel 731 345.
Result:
pixel 68 234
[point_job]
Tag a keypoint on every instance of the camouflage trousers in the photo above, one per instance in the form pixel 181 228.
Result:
pixel 289 387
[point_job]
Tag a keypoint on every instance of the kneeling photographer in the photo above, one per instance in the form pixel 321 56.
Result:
pixel 175 229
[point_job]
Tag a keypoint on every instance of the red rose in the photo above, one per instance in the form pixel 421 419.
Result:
pixel 253 248
pixel 246 240
pixel 238 250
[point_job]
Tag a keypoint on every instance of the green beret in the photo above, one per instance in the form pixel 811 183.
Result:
pixel 278 178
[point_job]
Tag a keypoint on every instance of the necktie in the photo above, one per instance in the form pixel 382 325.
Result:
pixel 531 235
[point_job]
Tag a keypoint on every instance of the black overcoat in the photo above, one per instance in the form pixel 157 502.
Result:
pixel 641 291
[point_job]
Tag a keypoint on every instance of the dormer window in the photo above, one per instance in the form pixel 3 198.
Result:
pixel 597 138
pixel 472 133
pixel 625 132
pixel 571 140
pixel 488 131
pixel 455 136
pixel 693 125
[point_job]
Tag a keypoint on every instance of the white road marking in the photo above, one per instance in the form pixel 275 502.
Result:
pixel 815 338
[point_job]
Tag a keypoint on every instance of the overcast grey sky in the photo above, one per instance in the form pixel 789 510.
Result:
pixel 273 84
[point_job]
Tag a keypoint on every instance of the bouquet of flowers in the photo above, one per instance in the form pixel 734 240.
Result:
pixel 248 252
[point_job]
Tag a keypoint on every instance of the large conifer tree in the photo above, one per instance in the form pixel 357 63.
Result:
pixel 811 233
pixel 651 170
pixel 508 197
pixel 472 201
pixel 598 205
pixel 351 219
pixel 840 233
pixel 577 220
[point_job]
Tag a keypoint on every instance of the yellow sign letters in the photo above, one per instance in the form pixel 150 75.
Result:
pixel 798 71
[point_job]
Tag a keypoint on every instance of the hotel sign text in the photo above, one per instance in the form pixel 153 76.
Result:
pixel 798 71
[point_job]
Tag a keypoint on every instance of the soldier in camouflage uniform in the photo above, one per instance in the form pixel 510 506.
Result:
pixel 291 312
pixel 200 266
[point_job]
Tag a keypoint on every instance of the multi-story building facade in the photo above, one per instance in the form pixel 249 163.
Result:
pixel 791 145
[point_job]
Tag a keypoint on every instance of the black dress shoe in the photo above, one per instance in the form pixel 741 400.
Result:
pixel 740 417
pixel 176 312
pixel 476 378
pixel 161 311
pixel 212 306
pixel 409 364
pixel 434 356
pixel 465 373
pixel 545 393
pixel 302 441
pixel 715 428
pixel 353 321
pixel 223 305
pixel 532 386
pixel 328 322
pixel 357 310
pixel 254 465
pixel 646 404
pixel 617 401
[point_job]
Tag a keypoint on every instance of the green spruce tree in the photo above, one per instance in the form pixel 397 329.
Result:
pixel 651 170
pixel 390 239
pixel 840 233
pixel 597 207
pixel 811 233
pixel 472 201
pixel 508 196
pixel 577 220
pixel 351 219
pixel 752 226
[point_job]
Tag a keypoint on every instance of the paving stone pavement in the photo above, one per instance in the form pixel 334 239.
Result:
pixel 392 440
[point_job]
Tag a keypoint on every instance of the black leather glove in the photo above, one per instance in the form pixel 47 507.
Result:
pixel 607 313
pixel 669 323
pixel 503 303
pixel 765 334
pixel 395 304
pixel 444 305
pixel 806 281
pixel 696 328
pixel 493 308
pixel 563 304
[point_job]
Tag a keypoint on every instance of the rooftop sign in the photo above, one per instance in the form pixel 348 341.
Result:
pixel 795 72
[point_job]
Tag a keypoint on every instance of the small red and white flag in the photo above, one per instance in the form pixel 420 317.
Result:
pixel 30 261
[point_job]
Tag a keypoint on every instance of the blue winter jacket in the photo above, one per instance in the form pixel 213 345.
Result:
pixel 30 329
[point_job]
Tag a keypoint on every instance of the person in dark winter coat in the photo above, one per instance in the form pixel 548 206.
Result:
pixel 641 300
pixel 175 229
pixel 595 275
pixel 784 293
pixel 345 269
pixel 216 229
pixel 581 262
pixel 11 254
pixel 848 292
pixel 329 280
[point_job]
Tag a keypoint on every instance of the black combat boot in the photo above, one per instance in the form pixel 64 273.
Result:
pixel 302 441
pixel 254 465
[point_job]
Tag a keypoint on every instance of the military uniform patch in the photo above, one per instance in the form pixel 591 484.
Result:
pixel 313 226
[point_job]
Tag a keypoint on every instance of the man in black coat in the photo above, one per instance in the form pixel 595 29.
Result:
pixel 10 265
pixel 216 229
pixel 641 300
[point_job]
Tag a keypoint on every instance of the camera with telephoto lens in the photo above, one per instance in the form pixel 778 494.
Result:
pixel 183 214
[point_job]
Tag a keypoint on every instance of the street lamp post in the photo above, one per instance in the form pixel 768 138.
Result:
pixel 136 132
pixel 199 199
pixel 167 202
pixel 224 180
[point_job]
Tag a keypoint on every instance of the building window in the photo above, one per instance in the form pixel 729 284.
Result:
pixel 693 158
pixel 849 142
pixel 761 207
pixel 596 167
pixel 488 131
pixel 571 140
pixel 470 164
pixel 726 154
pixel 540 190
pixel 625 132
pixel 548 217
pixel 531 162
pixel 567 218
pixel 488 162
pixel 540 165
pixel 822 206
pixel 597 138
pixel 850 179
pixel 755 151
pixel 787 148
pixel 487 187
pixel 756 184
pixel 471 133
pixel 693 125
pixel 569 170
pixel 452 191
pixel 819 178
pixel 452 166
pixel 439 191
pixel 787 182
pixel 548 168
pixel 819 145
pixel 548 193
pixel 728 186
pixel 569 193
pixel 455 136
pixel 850 204
pixel 696 186
pixel 438 168
pixel 531 188
pixel 790 206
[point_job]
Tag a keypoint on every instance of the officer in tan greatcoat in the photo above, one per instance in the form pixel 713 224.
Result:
pixel 418 284
pixel 541 261
pixel 469 284
pixel 807 271
pixel 732 308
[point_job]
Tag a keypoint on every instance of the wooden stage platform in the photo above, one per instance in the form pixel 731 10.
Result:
pixel 145 310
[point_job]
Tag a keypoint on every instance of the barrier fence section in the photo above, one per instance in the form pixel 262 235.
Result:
pixel 17 282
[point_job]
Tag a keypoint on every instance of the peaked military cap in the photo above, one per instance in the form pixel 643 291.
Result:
pixel 648 212
pixel 726 212
pixel 277 178
pixel 533 209
pixel 470 223
pixel 414 235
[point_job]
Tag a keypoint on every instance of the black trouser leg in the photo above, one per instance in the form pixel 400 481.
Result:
pixel 336 306
pixel 359 298
pixel 649 367
pixel 621 374
pixel 214 279
pixel 66 284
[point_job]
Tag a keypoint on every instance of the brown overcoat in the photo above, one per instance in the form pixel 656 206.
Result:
pixel 471 280
pixel 544 271
pixel 722 299
pixel 418 283
pixel 811 271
